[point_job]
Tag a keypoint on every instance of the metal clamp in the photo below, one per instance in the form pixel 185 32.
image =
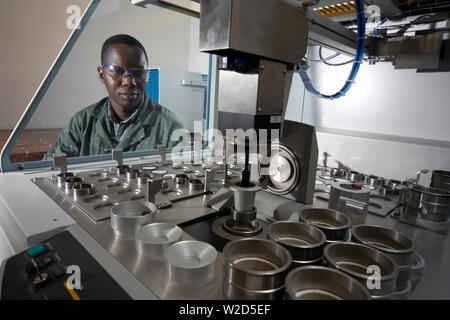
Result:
pixel 60 161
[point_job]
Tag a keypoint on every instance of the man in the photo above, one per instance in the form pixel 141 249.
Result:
pixel 127 118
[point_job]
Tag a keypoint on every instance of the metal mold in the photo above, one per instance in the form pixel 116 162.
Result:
pixel 243 216
pixel 153 239
pixel 244 197
pixel 375 182
pixel 356 259
pixel 128 216
pixel 254 268
pixel 393 243
pixel 191 262
pixel 322 283
pixel 61 177
pixel 304 241
pixel 334 224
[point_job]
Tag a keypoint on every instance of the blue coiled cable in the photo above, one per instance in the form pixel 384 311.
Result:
pixel 360 45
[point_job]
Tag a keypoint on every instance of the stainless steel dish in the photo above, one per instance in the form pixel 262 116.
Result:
pixel 429 203
pixel 255 269
pixel 304 241
pixel 153 239
pixel 191 262
pixel 334 224
pixel 240 228
pixel 359 261
pixel 393 243
pixel 322 283
pixel 127 217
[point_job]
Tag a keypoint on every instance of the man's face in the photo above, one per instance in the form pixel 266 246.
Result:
pixel 125 92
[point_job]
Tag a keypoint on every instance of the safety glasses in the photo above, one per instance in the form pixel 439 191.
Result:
pixel 122 72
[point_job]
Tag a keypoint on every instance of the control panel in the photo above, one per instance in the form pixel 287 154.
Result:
pixel 59 268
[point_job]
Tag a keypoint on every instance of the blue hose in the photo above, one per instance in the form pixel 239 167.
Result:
pixel 360 45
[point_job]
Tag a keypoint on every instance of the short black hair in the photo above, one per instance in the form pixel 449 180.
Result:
pixel 120 39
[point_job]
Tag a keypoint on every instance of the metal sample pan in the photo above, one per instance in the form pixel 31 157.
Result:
pixel 240 228
pixel 191 262
pixel 334 224
pixel 255 269
pixel 360 261
pixel 322 283
pixel 304 241
pixel 128 216
pixel 429 203
pixel 153 239
pixel 393 243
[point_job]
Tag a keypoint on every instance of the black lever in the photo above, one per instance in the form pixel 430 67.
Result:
pixel 246 173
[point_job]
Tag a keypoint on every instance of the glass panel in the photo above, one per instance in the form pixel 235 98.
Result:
pixel 83 115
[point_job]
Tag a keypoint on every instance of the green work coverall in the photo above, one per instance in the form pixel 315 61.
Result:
pixel 90 131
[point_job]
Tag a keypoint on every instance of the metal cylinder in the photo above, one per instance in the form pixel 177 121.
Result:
pixel 255 269
pixel 351 199
pixel 181 180
pixel 153 239
pixel 440 179
pixel 338 173
pixel 375 182
pixel 121 169
pixel 61 177
pixel 304 241
pixel 393 243
pixel 429 203
pixel 355 176
pixel 361 262
pixel 195 185
pixel 127 217
pixel 132 173
pixel 334 224
pixel 243 216
pixel 83 189
pixel 191 262
pixel 71 181
pixel 244 197
pixel 322 283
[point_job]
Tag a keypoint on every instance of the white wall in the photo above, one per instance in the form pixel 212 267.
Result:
pixel 391 123
pixel 170 39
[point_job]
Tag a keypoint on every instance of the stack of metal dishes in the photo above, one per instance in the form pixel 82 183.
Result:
pixel 334 224
pixel 304 241
pixel 322 283
pixel 430 204
pixel 374 269
pixel 440 179
pixel 255 269
pixel 392 243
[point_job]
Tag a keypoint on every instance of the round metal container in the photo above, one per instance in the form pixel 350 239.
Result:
pixel 334 224
pixel 322 283
pixel 127 217
pixel 338 173
pixel 61 177
pixel 181 180
pixel 83 189
pixel 142 178
pixel 355 176
pixel 195 185
pixel 418 267
pixel 440 179
pixel 255 269
pixel 70 182
pixel 375 182
pixel 393 243
pixel 429 203
pixel 153 239
pixel 304 241
pixel 191 262
pixel 121 169
pixel 355 259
